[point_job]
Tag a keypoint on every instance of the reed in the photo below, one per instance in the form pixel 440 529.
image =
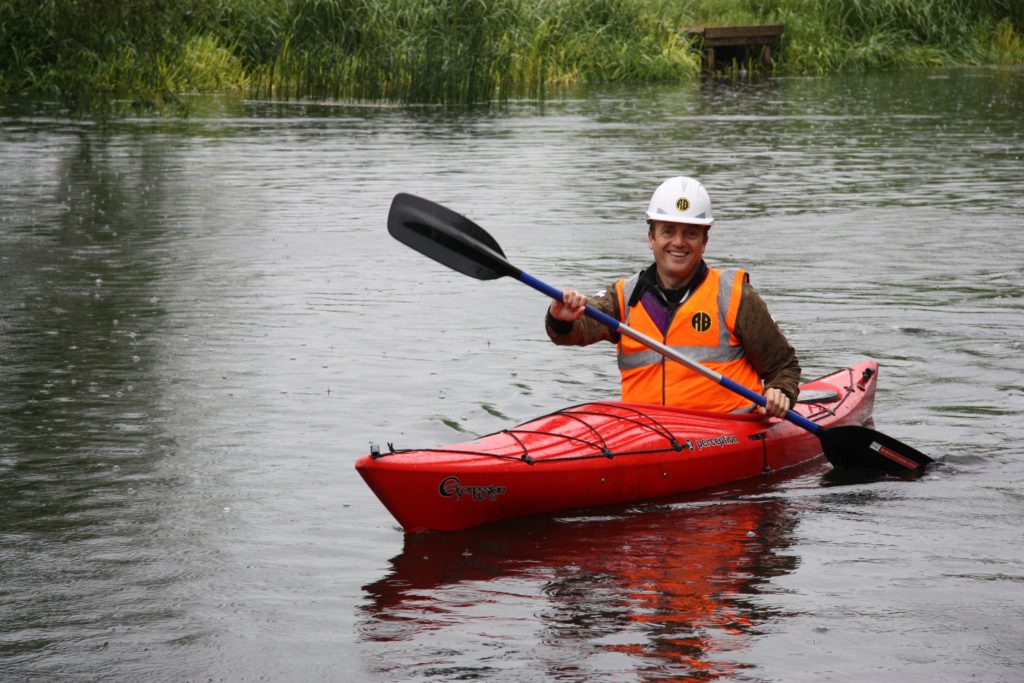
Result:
pixel 459 51
pixel 468 50
pixel 829 36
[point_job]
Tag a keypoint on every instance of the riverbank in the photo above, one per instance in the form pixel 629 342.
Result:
pixel 459 51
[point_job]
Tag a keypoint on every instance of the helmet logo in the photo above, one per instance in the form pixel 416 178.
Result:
pixel 701 321
pixel 682 203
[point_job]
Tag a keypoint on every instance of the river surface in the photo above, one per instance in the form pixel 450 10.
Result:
pixel 203 323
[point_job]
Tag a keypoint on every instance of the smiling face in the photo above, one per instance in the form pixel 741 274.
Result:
pixel 678 249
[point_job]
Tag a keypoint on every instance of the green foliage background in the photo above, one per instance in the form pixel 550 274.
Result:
pixel 458 51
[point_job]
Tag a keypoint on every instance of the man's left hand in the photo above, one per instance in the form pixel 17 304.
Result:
pixel 776 403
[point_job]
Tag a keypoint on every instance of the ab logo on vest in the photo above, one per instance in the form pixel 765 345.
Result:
pixel 701 321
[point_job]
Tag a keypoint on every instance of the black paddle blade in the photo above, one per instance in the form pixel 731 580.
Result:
pixel 447 237
pixel 859 447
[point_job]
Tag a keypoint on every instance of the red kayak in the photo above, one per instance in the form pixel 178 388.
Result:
pixel 606 453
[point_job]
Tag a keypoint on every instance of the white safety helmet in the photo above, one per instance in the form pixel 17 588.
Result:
pixel 681 200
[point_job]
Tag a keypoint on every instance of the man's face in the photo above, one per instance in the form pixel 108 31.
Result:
pixel 678 249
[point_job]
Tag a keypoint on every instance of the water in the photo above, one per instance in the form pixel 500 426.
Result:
pixel 203 323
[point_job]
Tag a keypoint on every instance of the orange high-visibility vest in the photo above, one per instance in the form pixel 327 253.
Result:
pixel 701 329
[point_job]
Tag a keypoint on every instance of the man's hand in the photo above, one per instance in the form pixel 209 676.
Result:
pixel 776 403
pixel 570 308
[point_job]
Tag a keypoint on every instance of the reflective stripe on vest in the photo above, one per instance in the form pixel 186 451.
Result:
pixel 724 352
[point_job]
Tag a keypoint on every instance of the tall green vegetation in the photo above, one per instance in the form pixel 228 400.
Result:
pixel 85 48
pixel 457 50
pixel 828 36
pixel 833 35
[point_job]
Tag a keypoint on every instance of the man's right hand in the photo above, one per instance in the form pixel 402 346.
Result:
pixel 570 308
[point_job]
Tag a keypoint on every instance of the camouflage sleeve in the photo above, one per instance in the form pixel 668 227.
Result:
pixel 766 347
pixel 585 331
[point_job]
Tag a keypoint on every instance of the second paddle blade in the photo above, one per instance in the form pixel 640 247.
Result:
pixel 859 447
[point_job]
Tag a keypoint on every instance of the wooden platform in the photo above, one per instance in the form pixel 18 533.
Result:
pixel 736 38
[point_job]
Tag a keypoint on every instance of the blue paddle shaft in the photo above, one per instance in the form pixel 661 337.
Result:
pixel 667 351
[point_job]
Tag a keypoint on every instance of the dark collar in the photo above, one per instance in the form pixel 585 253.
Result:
pixel 671 298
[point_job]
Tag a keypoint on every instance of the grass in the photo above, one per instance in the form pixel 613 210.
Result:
pixel 832 36
pixel 458 51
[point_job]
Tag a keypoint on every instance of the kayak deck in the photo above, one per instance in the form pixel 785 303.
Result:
pixel 604 453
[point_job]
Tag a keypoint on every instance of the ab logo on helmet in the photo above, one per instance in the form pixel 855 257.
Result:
pixel 701 321
pixel 682 203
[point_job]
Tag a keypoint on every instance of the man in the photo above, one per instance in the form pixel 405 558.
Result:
pixel 710 315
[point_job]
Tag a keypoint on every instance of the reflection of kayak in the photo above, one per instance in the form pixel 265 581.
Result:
pixel 659 588
pixel 738 525
pixel 604 453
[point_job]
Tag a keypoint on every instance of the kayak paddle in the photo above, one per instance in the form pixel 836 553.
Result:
pixel 462 245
